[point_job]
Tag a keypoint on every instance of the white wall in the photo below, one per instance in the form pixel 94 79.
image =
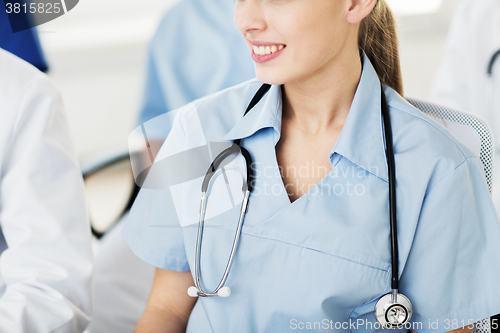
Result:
pixel 97 58
pixel 96 55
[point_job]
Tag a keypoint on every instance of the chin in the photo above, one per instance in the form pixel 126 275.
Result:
pixel 270 78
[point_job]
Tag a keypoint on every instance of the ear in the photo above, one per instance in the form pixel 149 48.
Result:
pixel 359 9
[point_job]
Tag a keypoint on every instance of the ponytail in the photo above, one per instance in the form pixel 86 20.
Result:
pixel 378 38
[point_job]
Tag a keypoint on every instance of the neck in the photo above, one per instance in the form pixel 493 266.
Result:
pixel 322 100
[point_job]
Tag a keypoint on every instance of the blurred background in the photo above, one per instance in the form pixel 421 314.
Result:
pixel 97 57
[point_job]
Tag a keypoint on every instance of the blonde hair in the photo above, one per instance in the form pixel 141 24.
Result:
pixel 378 38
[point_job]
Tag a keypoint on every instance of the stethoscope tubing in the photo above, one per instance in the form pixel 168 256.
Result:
pixel 490 100
pixel 248 187
pixel 214 166
pixel 243 210
pixel 392 193
pixel 492 62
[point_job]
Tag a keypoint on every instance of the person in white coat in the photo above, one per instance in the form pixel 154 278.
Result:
pixel 45 260
pixel 469 77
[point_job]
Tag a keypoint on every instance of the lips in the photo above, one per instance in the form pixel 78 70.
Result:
pixel 265 51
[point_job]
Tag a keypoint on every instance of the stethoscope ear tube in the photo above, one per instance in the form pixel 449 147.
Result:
pixel 234 149
pixel 250 174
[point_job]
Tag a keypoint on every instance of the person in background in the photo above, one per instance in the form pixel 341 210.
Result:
pixel 465 80
pixel 24 44
pixel 45 255
pixel 195 51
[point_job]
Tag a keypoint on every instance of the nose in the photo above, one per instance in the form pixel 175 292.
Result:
pixel 249 16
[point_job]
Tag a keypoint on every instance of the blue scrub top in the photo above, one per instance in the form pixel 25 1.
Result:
pixel 195 51
pixel 323 261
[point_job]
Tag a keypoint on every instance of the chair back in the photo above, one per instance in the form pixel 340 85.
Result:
pixel 469 129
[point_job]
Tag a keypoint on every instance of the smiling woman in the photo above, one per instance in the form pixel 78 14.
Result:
pixel 312 248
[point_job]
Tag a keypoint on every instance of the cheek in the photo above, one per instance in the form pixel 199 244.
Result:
pixel 314 47
pixel 316 33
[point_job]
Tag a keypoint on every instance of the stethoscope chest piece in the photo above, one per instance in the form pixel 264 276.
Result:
pixel 393 312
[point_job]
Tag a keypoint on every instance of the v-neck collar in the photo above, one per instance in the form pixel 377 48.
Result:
pixel 361 139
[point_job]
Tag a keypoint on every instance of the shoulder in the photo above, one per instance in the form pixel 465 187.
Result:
pixel 218 113
pixel 23 88
pixel 228 99
pixel 208 119
pixel 175 15
pixel 425 145
pixel 197 18
pixel 17 74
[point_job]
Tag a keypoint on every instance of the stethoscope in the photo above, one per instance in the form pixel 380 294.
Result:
pixel 393 310
pixel 490 98
pixel 491 63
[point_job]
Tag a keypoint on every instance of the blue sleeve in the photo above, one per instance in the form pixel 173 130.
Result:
pixel 451 273
pixel 153 230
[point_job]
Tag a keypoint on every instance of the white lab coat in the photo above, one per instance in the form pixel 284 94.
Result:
pixel 462 81
pixel 45 261
pixel 122 284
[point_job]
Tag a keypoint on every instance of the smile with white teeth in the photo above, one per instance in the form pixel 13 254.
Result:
pixel 263 50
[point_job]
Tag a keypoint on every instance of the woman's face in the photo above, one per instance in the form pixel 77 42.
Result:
pixel 294 39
